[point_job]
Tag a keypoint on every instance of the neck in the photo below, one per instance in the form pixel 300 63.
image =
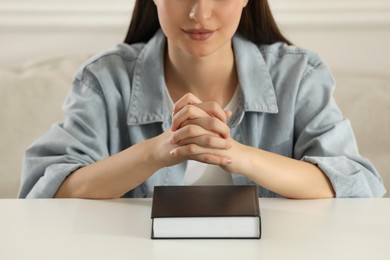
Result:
pixel 211 78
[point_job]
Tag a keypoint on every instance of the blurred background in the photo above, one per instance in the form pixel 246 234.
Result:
pixel 352 36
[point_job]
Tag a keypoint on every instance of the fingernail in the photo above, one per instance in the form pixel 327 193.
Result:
pixel 229 161
pixel 173 152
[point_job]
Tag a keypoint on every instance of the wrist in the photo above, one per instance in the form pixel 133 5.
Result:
pixel 240 155
pixel 159 149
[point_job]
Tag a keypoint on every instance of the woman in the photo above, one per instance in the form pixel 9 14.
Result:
pixel 201 82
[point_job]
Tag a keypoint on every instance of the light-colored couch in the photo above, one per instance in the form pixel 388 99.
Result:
pixel 31 96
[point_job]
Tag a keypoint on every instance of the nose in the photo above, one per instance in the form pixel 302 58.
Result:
pixel 201 11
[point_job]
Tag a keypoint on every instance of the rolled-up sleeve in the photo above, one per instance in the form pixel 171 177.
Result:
pixel 325 138
pixel 66 147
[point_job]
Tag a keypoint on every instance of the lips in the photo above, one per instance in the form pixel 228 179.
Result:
pixel 199 34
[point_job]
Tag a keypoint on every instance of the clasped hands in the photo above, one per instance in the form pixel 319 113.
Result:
pixel 200 132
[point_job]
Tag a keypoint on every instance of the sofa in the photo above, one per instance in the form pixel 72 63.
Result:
pixel 31 96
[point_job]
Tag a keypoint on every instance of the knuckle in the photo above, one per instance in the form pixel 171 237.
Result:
pixel 189 98
pixel 191 130
pixel 207 158
pixel 187 112
pixel 175 107
pixel 191 148
pixel 189 109
pixel 211 159
pixel 188 95
pixel 215 106
pixel 228 132
pixel 209 141
pixel 214 123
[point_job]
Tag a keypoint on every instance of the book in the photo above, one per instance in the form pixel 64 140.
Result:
pixel 206 212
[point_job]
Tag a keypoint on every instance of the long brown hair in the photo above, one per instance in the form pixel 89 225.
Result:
pixel 257 23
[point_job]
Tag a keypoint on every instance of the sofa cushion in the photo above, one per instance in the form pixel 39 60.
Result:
pixel 31 97
pixel 365 101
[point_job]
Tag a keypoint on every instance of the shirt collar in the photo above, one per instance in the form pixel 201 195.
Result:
pixel 257 90
pixel 150 103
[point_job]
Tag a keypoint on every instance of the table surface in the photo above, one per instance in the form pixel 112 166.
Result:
pixel 120 229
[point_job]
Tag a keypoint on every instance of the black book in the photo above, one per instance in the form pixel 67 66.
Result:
pixel 206 212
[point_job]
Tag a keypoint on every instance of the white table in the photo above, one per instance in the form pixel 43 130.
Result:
pixel 120 229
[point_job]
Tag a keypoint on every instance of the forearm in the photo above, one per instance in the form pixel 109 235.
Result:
pixel 288 177
pixel 112 177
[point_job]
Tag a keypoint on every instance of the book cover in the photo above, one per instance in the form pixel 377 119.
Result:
pixel 206 212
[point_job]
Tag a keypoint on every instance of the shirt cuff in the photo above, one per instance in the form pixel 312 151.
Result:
pixel 48 185
pixel 349 178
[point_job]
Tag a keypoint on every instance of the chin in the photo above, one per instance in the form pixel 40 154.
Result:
pixel 201 52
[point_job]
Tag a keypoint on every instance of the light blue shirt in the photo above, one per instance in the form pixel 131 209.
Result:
pixel 119 98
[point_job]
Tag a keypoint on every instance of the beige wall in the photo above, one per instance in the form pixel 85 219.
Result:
pixel 34 29
pixel 348 34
